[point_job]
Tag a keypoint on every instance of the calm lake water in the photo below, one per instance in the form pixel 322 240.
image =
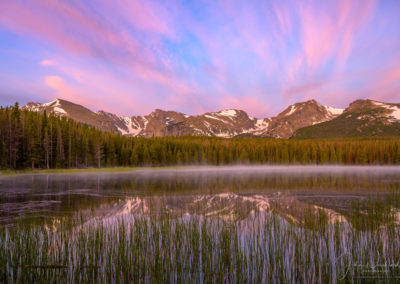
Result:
pixel 343 193
pixel 288 224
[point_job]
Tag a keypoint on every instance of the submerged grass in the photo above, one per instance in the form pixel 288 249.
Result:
pixel 262 248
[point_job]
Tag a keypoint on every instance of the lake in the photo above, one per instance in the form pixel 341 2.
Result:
pixel 208 224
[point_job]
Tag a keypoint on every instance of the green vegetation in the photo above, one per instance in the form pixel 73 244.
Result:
pixel 10 172
pixel 288 227
pixel 261 249
pixel 359 123
pixel 33 140
pixel 66 171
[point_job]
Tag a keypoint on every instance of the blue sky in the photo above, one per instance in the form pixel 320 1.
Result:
pixel 130 57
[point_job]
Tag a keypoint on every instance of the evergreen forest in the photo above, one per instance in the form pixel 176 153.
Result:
pixel 38 140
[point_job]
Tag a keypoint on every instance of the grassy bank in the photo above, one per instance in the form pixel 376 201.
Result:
pixel 66 171
pixel 10 172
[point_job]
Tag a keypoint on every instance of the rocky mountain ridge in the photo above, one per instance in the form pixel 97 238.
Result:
pixel 302 120
pixel 225 123
pixel 362 118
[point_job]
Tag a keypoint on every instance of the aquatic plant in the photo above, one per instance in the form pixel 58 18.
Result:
pixel 263 247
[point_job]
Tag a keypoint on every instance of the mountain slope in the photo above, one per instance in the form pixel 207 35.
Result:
pixel 225 123
pixel 302 120
pixel 300 115
pixel 157 122
pixel 361 119
pixel 101 120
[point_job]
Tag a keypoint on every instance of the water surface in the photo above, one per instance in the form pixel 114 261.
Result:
pixel 358 195
pixel 204 225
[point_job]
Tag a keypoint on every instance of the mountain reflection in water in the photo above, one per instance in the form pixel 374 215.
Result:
pixel 362 196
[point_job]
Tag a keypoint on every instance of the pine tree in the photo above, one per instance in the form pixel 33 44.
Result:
pixel 30 139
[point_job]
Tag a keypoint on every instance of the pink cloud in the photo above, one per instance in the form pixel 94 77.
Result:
pixel 378 84
pixel 62 90
pixel 47 62
pixel 387 85
pixel 120 93
pixel 27 19
pixel 283 16
pixel 142 15
pixel 75 29
pixel 190 104
pixel 133 56
pixel 303 89
pixel 73 93
pixel 328 31
pixel 99 88
pixel 293 68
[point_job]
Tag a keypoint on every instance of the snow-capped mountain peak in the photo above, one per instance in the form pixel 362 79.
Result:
pixel 225 123
pixel 228 112
pixel 333 111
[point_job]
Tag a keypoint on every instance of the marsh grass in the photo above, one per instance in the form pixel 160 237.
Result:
pixel 262 248
pixel 66 171
pixel 10 172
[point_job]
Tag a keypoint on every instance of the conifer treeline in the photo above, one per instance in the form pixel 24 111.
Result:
pixel 33 140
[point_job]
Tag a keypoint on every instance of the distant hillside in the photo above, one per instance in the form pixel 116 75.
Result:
pixel 30 139
pixel 226 123
pixel 310 119
pixel 363 118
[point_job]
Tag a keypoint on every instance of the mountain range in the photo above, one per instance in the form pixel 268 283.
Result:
pixel 302 120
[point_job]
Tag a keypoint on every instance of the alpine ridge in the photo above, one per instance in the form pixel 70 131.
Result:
pixel 308 119
pixel 362 118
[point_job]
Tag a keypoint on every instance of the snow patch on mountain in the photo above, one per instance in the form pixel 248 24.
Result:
pixel 55 106
pixel 59 111
pixel 292 110
pixel 225 123
pixel 333 111
pixel 394 114
pixel 32 106
pixel 260 126
pixel 54 103
pixel 200 132
pixel 228 112
pixel 225 134
pixel 169 120
pixel 379 104
pixel 129 130
pixel 213 117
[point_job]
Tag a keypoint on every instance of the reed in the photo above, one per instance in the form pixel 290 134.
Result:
pixel 262 247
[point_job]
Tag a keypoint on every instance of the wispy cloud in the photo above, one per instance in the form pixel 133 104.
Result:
pixel 47 62
pixel 134 56
pixel 328 29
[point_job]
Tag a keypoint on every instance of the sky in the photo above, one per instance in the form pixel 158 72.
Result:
pixel 194 56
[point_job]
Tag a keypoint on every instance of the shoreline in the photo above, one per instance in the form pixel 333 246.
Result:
pixel 273 167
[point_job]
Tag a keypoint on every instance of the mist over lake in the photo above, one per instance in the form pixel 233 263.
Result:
pixel 207 223
pixel 149 141
pixel 44 196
